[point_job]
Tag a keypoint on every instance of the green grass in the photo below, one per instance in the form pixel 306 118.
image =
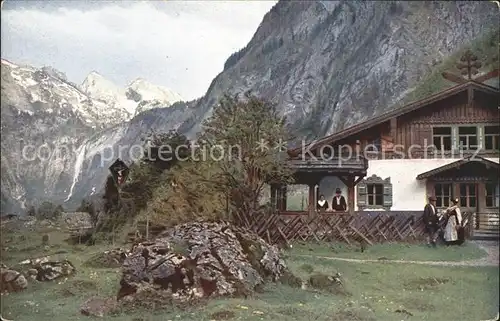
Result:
pixel 408 252
pixel 378 290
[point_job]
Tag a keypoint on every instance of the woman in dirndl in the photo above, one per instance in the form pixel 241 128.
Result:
pixel 453 233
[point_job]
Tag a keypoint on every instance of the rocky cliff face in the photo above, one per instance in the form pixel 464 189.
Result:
pixel 327 64
pixel 52 129
pixel 332 64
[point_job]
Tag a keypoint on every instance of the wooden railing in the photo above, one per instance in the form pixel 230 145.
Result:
pixel 361 227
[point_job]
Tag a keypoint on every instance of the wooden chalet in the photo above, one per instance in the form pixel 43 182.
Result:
pixel 445 145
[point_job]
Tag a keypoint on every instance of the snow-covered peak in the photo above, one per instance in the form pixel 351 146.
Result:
pixel 140 95
pixel 149 91
pixel 46 90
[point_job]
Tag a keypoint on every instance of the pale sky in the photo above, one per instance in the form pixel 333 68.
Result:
pixel 178 44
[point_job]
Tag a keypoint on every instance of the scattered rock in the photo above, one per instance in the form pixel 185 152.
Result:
pixel 45 239
pixel 98 307
pixel 403 311
pixel 222 315
pixel 11 280
pixel 199 260
pixel 49 270
pixel 332 284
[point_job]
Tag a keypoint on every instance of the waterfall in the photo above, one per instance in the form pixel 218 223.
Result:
pixel 78 166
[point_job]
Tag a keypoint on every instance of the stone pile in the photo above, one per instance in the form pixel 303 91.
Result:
pixel 199 260
pixel 46 269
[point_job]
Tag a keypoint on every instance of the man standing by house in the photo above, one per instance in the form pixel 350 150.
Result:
pixel 431 221
pixel 339 204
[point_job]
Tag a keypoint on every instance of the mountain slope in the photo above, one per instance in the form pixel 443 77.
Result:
pixel 327 64
pixel 332 64
pixel 46 122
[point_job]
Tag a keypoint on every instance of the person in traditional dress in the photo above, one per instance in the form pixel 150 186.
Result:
pixel 322 204
pixel 339 204
pixel 431 220
pixel 454 223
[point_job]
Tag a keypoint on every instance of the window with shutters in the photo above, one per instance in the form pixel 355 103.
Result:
pixel 374 193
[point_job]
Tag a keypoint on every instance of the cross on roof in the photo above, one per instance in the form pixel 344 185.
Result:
pixel 469 66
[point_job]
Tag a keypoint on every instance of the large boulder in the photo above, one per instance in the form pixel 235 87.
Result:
pixel 11 280
pixel 199 260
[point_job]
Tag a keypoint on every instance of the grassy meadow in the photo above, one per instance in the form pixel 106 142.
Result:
pixel 374 291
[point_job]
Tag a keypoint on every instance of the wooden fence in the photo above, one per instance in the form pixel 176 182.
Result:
pixel 361 227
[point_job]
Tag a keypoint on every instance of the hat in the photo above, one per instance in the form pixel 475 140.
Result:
pixel 432 198
pixel 454 200
pixel 338 190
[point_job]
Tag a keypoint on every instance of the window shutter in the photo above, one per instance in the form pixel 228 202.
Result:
pixel 387 193
pixel 361 195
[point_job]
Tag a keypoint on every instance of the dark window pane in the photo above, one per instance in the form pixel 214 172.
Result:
pixel 438 189
pixel 495 130
pixel 463 189
pixel 446 143
pixel 462 141
pixel 488 142
pixel 446 190
pixel 379 189
pixel 489 201
pixel 370 200
pixel 441 131
pixel 437 142
pixel 439 202
pixel 379 199
pixel 463 201
pixel 472 190
pixel 472 201
pixel 473 142
pixel 370 188
pixel 467 130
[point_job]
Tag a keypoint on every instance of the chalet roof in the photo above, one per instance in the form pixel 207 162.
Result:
pixel 334 165
pixel 400 111
pixel 457 164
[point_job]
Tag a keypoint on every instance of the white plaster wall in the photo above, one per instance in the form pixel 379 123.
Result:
pixel 408 193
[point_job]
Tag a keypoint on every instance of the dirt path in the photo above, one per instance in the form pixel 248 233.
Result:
pixel 491 259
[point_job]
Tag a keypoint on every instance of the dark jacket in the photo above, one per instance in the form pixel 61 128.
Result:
pixel 429 216
pixel 342 207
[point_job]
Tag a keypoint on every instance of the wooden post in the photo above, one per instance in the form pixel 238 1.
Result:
pixel 147 226
pixel 274 190
pixel 350 194
pixel 312 202
pixel 284 195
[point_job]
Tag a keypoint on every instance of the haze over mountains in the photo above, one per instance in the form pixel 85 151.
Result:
pixel 328 65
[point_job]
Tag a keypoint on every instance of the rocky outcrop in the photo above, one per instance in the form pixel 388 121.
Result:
pixel 198 260
pixel 11 280
pixel 47 269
